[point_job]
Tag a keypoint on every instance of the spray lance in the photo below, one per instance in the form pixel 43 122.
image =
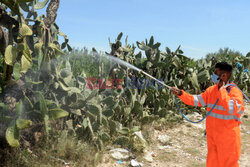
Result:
pixel 155 79
pixel 142 72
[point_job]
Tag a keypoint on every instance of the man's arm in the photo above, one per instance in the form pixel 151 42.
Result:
pixel 192 100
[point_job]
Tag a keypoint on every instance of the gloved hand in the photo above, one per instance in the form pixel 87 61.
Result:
pixel 176 91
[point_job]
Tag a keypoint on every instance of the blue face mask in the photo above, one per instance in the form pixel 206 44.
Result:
pixel 215 78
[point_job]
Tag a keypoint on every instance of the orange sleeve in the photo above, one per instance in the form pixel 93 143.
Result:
pixel 194 100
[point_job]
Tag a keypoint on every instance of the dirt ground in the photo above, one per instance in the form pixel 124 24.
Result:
pixel 185 147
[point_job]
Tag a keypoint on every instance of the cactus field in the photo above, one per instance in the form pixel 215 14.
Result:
pixel 50 91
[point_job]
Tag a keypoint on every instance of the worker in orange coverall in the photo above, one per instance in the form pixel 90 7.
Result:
pixel 222 124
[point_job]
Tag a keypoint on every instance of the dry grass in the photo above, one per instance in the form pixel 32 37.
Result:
pixel 65 149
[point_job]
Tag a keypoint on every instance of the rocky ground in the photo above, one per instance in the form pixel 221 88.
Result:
pixel 183 145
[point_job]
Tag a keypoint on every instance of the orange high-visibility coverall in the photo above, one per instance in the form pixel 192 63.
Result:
pixel 222 124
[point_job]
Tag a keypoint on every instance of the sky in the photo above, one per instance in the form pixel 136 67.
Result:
pixel 199 26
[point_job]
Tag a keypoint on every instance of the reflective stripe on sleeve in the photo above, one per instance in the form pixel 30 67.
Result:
pixel 241 112
pixel 196 102
pixel 231 106
pixel 225 117
pixel 217 107
pixel 201 100
pixel 238 105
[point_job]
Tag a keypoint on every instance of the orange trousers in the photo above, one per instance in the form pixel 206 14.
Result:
pixel 224 147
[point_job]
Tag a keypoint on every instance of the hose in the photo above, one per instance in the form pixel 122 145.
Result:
pixel 191 120
pixel 240 90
